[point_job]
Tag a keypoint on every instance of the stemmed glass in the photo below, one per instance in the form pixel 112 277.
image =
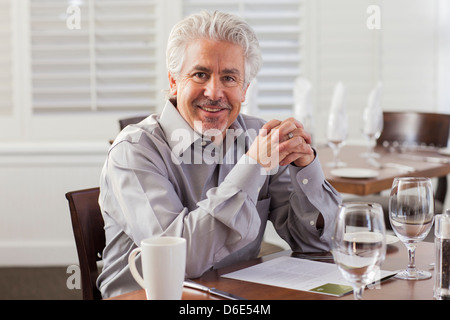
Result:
pixel 411 212
pixel 373 122
pixel 359 243
pixel 336 134
pixel 373 125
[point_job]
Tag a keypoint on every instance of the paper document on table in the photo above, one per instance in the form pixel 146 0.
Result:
pixel 299 274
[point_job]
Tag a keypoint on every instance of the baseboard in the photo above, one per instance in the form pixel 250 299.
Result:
pixel 37 253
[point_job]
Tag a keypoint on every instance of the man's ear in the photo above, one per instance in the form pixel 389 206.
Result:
pixel 245 93
pixel 173 85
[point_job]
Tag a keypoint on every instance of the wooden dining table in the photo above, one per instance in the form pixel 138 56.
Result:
pixel 391 289
pixel 426 162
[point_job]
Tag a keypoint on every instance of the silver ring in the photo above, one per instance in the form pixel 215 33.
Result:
pixel 290 135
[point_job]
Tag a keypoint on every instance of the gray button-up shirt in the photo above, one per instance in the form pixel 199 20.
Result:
pixel 161 178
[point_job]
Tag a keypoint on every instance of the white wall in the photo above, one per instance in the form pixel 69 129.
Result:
pixel 408 54
pixel 35 227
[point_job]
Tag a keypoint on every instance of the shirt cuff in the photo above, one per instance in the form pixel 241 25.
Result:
pixel 248 176
pixel 310 177
pixel 311 184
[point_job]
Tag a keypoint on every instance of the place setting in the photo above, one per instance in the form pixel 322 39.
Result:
pixel 337 132
pixel 355 173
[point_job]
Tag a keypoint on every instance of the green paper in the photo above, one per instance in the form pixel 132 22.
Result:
pixel 333 289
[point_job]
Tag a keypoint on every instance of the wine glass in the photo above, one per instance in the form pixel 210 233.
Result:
pixel 373 122
pixel 336 135
pixel 373 125
pixel 411 211
pixel 359 243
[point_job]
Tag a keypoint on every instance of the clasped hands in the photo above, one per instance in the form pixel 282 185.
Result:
pixel 281 143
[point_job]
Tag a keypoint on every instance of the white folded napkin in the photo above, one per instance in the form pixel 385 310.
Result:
pixel 338 99
pixel 303 111
pixel 302 98
pixel 337 117
pixel 373 113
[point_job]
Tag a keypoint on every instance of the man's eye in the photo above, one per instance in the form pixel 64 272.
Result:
pixel 200 75
pixel 229 79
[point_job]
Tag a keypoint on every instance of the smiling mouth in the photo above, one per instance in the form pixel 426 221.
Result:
pixel 213 110
pixel 212 106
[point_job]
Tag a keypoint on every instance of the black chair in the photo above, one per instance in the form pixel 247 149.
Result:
pixel 415 128
pixel 87 224
pixel 126 121
pixel 418 128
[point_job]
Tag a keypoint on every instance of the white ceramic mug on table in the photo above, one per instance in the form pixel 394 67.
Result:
pixel 163 267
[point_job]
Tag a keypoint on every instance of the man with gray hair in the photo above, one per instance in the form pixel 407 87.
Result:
pixel 202 171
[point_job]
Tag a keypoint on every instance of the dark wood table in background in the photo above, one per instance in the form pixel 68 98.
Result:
pixel 351 155
pixel 392 289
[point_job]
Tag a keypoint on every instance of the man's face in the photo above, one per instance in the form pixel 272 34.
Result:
pixel 210 87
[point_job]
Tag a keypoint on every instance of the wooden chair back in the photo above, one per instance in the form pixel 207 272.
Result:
pixel 418 128
pixel 87 224
pixel 124 122
pixel 431 129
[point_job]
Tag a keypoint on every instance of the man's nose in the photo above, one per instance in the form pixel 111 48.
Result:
pixel 214 89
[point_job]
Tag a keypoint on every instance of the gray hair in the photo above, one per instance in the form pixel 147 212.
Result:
pixel 216 26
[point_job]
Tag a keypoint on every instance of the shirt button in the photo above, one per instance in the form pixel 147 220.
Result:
pixel 305 181
pixel 204 143
pixel 311 223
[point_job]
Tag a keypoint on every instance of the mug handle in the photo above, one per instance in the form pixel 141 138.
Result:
pixel 132 265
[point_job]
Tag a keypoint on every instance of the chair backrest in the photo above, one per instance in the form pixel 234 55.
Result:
pixel 87 224
pixel 418 128
pixel 124 122
pixel 431 129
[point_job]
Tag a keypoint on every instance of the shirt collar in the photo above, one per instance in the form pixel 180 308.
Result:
pixel 179 134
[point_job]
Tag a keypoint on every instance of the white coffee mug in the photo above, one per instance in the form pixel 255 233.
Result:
pixel 163 267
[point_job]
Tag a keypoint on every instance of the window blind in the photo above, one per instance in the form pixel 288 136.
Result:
pixel 105 62
pixel 279 27
pixel 6 56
